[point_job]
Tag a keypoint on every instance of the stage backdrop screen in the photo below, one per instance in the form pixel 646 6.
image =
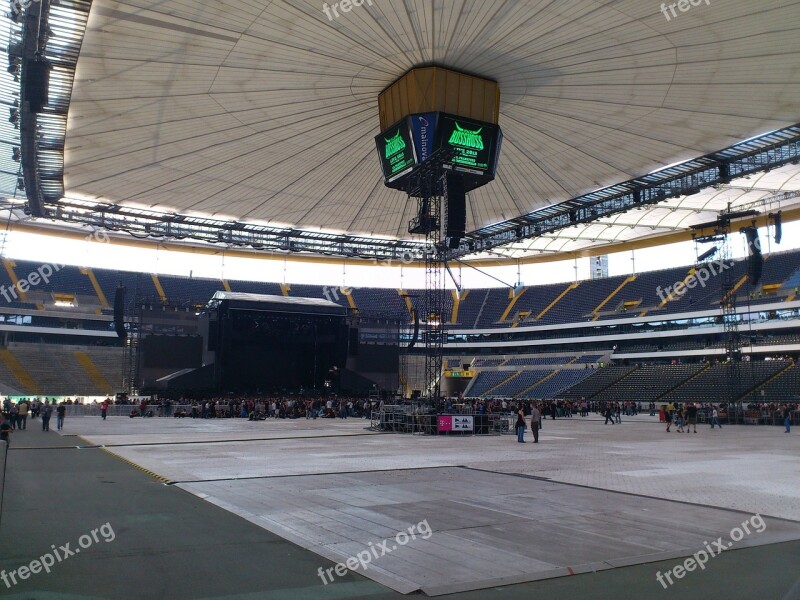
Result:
pixel 269 352
pixel 172 352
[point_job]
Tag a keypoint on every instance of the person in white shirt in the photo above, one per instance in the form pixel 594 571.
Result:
pixel 715 418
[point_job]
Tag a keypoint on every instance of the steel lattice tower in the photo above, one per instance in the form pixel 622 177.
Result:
pixel 130 356
pixel 730 322
pixel 429 189
pixel 433 309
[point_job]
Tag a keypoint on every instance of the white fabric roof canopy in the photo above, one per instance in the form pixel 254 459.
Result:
pixel 266 111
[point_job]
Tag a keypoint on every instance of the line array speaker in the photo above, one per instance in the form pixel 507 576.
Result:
pixel 455 209
pixel 119 312
pixel 36 74
pixel 353 341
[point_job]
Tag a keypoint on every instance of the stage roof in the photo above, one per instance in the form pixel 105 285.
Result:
pixel 271 299
pixel 268 302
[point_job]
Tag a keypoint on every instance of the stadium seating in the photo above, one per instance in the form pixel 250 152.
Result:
pixel 785 387
pixel 487 362
pixel 535 299
pixel 485 381
pixel 588 359
pixel 481 308
pixel 392 303
pixel 470 309
pixel 551 304
pixel 792 282
pixel 520 382
pixel 597 381
pixel 577 305
pixel 496 303
pixel 779 267
pixel 553 386
pixel 199 290
pixel 539 360
pixel 255 287
pixel 53 369
pixel 723 380
pixel 649 382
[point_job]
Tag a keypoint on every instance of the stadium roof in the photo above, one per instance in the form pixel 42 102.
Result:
pixel 266 111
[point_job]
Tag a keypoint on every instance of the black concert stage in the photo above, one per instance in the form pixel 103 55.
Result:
pixel 258 342
pixel 261 344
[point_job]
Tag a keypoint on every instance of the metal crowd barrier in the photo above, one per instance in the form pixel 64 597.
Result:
pixel 757 417
pixel 736 416
pixel 399 418
pixel 122 410
pixel 402 421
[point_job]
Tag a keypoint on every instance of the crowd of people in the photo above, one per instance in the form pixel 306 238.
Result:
pixel 682 416
pixel 259 408
pixel 550 408
pixel 14 415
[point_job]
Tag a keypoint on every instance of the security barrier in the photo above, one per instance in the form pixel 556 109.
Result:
pixel 397 419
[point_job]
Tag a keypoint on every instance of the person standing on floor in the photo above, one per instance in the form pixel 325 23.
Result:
pixel 691 417
pixel 60 412
pixel 520 425
pixel 668 418
pixel 608 415
pixel 5 429
pixel 13 414
pixel 47 412
pixel 787 418
pixel 715 418
pixel 535 416
pixel 22 414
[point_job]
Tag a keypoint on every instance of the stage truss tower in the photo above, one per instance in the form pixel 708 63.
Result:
pixel 730 320
pixel 434 330
pixel 130 353
pixel 430 190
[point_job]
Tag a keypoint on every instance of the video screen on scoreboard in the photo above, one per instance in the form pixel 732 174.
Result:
pixel 475 144
pixel 396 150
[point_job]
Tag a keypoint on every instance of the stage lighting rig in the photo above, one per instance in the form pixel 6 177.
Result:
pixel 708 253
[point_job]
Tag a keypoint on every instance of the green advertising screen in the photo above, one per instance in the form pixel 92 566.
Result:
pixel 474 144
pixel 465 146
pixel 396 151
